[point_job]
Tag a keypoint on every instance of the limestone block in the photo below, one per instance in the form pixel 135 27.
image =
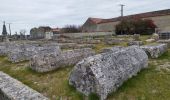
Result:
pixel 114 41
pixel 26 52
pixel 165 42
pixel 12 89
pixel 104 73
pixel 2 50
pixel 155 50
pixel 155 37
pixel 150 40
pixel 138 43
pixel 55 60
pixel 136 37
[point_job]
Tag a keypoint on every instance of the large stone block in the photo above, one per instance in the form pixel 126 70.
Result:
pixel 2 50
pixel 104 73
pixel 155 50
pixel 27 51
pixel 165 42
pixel 55 60
pixel 11 89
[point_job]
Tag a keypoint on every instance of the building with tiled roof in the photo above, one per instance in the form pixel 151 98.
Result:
pixel 161 18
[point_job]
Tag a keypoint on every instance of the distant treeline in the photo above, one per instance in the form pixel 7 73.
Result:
pixel 71 29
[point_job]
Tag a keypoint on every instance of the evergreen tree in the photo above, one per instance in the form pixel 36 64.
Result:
pixel 4 31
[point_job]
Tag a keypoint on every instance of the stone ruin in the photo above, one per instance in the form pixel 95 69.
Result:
pixel 75 46
pixel 55 60
pixel 27 52
pixel 111 49
pixel 165 42
pixel 138 43
pixel 155 50
pixel 17 52
pixel 11 89
pixel 136 37
pixel 104 73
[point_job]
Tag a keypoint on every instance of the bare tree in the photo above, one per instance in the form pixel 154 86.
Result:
pixel 23 32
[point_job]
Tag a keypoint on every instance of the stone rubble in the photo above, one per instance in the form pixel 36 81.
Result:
pixel 136 37
pixel 138 43
pixel 104 73
pixel 155 50
pixel 75 46
pixel 12 89
pixel 111 49
pixel 53 60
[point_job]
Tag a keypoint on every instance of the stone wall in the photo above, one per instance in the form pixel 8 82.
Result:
pixel 55 60
pixel 107 26
pixel 163 22
pixel 104 73
pixel 11 89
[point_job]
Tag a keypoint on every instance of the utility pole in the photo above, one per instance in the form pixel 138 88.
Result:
pixel 9 28
pixel 121 5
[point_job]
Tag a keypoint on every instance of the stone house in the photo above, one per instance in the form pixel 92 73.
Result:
pixel 161 18
pixel 39 33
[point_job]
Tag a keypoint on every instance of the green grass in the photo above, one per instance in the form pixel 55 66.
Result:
pixel 53 84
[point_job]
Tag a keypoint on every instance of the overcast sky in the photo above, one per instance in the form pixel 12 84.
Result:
pixel 25 14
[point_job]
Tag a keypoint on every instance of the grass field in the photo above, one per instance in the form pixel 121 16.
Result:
pixel 152 83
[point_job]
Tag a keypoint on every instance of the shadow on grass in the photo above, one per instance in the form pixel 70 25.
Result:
pixel 73 89
pixel 93 96
pixel 49 72
pixel 166 55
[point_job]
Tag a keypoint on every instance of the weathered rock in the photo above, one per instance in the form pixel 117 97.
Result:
pixel 2 50
pixel 113 41
pixel 11 89
pixel 150 40
pixel 53 60
pixel 104 73
pixel 155 37
pixel 26 52
pixel 136 37
pixel 75 46
pixel 8 47
pixel 111 49
pixel 138 43
pixel 165 42
pixel 155 50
